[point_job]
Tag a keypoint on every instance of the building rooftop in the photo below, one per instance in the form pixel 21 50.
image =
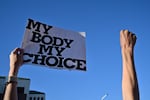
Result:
pixel 3 77
pixel 35 92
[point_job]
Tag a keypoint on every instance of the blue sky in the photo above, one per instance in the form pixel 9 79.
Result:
pixel 102 21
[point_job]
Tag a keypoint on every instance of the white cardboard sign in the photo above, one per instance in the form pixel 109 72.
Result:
pixel 54 47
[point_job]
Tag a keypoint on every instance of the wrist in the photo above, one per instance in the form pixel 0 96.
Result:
pixel 127 54
pixel 13 72
pixel 128 50
pixel 11 80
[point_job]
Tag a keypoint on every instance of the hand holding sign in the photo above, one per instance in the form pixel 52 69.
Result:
pixel 53 47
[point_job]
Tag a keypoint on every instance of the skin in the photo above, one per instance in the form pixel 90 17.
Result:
pixel 130 89
pixel 16 60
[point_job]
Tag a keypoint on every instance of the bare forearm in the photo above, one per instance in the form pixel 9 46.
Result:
pixel 11 88
pixel 11 92
pixel 129 78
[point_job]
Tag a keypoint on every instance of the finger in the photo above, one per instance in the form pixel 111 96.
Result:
pixel 21 51
pixel 17 51
pixel 123 32
pixel 130 34
pixel 14 51
pixel 126 32
pixel 134 36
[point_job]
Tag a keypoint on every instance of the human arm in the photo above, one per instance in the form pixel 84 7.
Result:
pixel 130 88
pixel 16 60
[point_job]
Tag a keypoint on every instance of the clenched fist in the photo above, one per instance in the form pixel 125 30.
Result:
pixel 16 60
pixel 127 39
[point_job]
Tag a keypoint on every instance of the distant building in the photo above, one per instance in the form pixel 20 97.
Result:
pixel 35 95
pixel 23 90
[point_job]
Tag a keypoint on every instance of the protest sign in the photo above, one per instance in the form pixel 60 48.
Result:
pixel 53 47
